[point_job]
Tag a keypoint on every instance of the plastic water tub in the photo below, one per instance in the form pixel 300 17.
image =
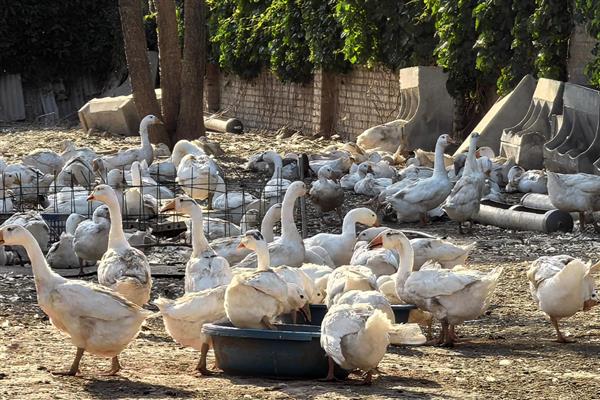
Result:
pixel 318 311
pixel 291 351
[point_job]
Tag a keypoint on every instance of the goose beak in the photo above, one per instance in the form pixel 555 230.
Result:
pixel 91 197
pixel 450 140
pixel 305 311
pixel 170 206
pixel 1 236
pixel 241 246
pixel 376 242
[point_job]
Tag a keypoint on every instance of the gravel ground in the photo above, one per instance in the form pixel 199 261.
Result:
pixel 508 353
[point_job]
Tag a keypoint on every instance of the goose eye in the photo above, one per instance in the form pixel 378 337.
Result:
pixel 302 296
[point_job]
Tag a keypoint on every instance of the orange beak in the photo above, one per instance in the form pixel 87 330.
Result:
pixel 240 246
pixel 376 242
pixel 91 197
pixel 169 206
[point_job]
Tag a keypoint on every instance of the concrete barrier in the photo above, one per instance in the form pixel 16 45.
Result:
pixel 426 111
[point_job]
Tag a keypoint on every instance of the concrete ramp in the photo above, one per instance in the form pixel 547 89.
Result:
pixel 524 142
pixel 425 113
pixel 507 111
pixel 575 146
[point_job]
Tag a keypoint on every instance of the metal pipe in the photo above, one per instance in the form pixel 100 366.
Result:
pixel 523 218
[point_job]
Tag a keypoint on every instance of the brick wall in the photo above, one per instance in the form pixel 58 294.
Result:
pixel 266 103
pixel 580 53
pixel 364 98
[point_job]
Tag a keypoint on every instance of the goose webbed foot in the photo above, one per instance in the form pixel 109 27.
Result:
pixel 560 338
pixel 74 370
pixel 330 375
pixel 201 367
pixel 115 367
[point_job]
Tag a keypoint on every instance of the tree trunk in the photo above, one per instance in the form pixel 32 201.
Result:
pixel 328 103
pixel 170 63
pixel 190 124
pixel 213 87
pixel 137 64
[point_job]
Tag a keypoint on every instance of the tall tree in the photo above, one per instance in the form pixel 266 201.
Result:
pixel 190 123
pixel 170 63
pixel 137 64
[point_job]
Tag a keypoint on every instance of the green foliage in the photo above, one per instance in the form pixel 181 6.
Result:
pixel 290 54
pixel 588 12
pixel 324 35
pixel 493 23
pixel 522 55
pixel 240 35
pixel 46 40
pixel 551 26
pixel 389 32
pixel 455 27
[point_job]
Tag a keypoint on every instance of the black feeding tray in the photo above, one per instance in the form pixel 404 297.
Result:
pixel 318 312
pixel 291 351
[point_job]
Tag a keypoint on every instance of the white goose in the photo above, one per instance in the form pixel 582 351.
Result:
pixel 233 203
pixel 463 201
pixel 184 317
pixel 275 187
pixel 196 172
pixel 289 248
pixel 47 161
pixel 228 247
pixel 326 194
pixel 254 299
pixel 452 296
pixel 575 193
pixel 124 158
pixel 205 269
pixel 138 205
pixel 532 181
pixel 122 268
pixel 96 319
pixel 425 194
pixel 355 337
pixel 90 240
pixel 347 278
pixel 340 246
pixel 62 254
pixel 70 151
pixel 561 286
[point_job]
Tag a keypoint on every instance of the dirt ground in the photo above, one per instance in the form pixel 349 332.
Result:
pixel 508 353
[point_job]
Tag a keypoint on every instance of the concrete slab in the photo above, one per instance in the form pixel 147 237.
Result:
pixel 575 145
pixel 524 142
pixel 426 111
pixel 507 111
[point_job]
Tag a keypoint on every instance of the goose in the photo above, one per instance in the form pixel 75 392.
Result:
pixel 35 224
pixel 356 174
pixel 205 269
pixel 197 176
pixel 163 171
pixel 233 203
pixel 90 240
pixel 532 181
pixel 81 172
pixel 70 151
pixel 253 299
pixel 386 284
pixel 84 311
pixel 320 275
pixel 380 261
pixel 47 161
pixel 67 197
pixel 27 183
pixel 373 298
pixel 184 317
pixel 339 165
pixel 575 193
pixel 415 172
pixel 340 246
pixel 346 278
pixel 228 247
pixel 452 296
pixel 289 248
pixel 428 159
pixel 382 169
pixel 62 253
pixel 300 278
pixel 138 205
pixel 122 268
pixel 446 253
pixel 463 201
pixel 355 337
pixel 426 194
pixel 326 194
pixel 275 187
pixel 124 158
pixel 149 186
pixel 561 286
pixel 371 186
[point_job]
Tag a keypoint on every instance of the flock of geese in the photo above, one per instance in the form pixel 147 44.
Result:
pixel 253 278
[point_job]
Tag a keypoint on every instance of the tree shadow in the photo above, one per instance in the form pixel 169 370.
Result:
pixel 120 388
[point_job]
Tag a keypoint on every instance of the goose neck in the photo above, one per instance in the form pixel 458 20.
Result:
pixel 471 162
pixel 116 236
pixel 145 137
pixel 349 224
pixel 220 190
pixel 439 167
pixel 41 271
pixel 263 259
pixel 277 167
pixel 266 226
pixel 405 262
pixel 199 241
pixel 289 231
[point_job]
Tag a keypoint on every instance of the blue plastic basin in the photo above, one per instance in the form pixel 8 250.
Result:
pixel 318 312
pixel 292 351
